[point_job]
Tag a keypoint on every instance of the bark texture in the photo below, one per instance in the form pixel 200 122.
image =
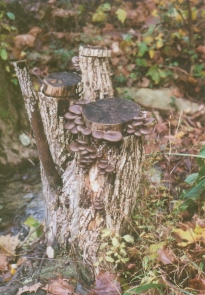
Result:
pixel 96 77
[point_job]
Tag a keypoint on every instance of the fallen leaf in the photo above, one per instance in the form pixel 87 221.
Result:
pixel 3 262
pixel 106 284
pixel 30 289
pixel 166 255
pixel 59 287
pixel 197 284
pixel 9 243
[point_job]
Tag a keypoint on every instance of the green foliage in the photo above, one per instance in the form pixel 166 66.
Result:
pixel 114 248
pixel 197 180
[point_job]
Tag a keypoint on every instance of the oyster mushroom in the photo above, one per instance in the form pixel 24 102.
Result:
pixel 75 109
pixel 112 136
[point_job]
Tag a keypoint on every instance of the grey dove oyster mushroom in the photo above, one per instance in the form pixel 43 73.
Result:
pixel 139 125
pixel 98 205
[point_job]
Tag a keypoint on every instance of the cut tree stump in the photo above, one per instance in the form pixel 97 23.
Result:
pixel 96 146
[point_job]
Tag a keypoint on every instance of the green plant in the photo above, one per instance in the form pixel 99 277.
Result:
pixel 197 181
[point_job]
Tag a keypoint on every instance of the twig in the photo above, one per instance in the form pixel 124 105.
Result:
pixel 191 36
pixel 176 68
pixel 40 267
pixel 26 239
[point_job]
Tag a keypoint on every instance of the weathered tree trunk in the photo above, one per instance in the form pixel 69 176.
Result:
pixel 99 159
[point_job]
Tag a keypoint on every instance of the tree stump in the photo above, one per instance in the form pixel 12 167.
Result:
pixel 97 149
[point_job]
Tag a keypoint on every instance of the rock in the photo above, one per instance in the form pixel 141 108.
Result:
pixel 161 99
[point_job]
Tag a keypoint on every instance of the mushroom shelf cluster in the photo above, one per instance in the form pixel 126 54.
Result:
pixel 93 121
pixel 140 125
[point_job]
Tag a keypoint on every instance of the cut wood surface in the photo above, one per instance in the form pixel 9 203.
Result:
pixel 61 84
pixel 110 113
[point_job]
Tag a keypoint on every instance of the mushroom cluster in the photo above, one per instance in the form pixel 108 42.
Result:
pixel 98 205
pixel 88 154
pixel 104 167
pixel 140 125
pixel 74 119
pixel 75 62
pixel 110 136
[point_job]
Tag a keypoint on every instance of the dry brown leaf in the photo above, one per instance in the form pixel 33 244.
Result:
pixel 166 255
pixel 32 288
pixel 144 83
pixel 8 243
pixel 59 287
pixel 197 284
pixel 106 284
pixel 3 262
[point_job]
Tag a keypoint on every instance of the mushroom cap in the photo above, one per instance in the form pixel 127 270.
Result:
pixel 103 161
pixel 145 130
pixel 130 126
pixel 82 148
pixel 102 165
pixel 80 128
pixel 75 109
pixel 148 121
pixel 113 136
pixel 91 149
pixel 74 146
pixel 97 134
pixel 139 118
pixel 85 157
pixel 86 131
pixel 74 130
pixel 70 125
pixel 109 168
pixel 135 123
pixel 82 101
pixel 79 121
pixel 130 130
pixel 81 141
pixel 70 116
pixel 84 152
pixel 93 156
pixel 138 133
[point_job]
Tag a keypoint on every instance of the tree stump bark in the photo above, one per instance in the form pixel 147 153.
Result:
pixel 97 148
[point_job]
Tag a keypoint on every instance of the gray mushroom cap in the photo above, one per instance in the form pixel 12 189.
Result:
pixel 74 146
pixel 81 141
pixel 97 134
pixel 79 121
pixel 70 116
pixel 74 130
pixel 112 136
pixel 91 149
pixel 109 168
pixel 148 121
pixel 82 101
pixel 138 133
pixel 145 130
pixel 70 125
pixel 102 165
pixel 86 131
pixel 75 109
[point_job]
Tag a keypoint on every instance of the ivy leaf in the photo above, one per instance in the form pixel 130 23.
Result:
pixel 153 73
pixel 128 239
pixel 121 15
pixel 142 48
pixel 109 259
pixel 10 15
pixel 4 54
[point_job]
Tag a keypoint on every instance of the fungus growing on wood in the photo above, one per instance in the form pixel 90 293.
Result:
pixel 75 109
pixel 138 126
pixel 112 136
